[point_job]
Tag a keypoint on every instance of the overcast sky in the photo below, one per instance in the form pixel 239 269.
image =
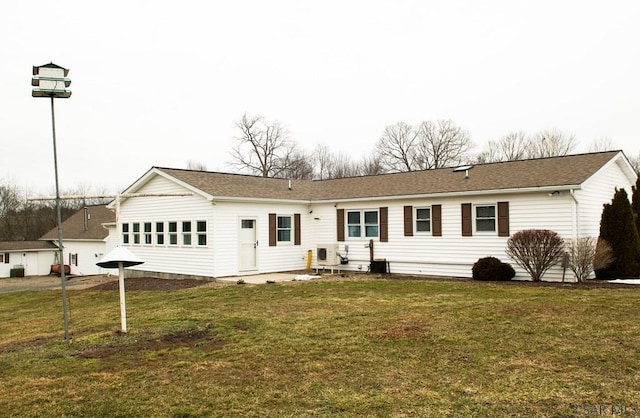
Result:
pixel 159 83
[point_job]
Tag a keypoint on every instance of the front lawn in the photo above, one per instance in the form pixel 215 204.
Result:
pixel 364 347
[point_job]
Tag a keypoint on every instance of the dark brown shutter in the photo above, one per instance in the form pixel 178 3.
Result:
pixel 296 231
pixel 272 230
pixel 466 220
pixel 408 221
pixel 436 220
pixel 384 224
pixel 503 219
pixel 340 224
pixel 6 258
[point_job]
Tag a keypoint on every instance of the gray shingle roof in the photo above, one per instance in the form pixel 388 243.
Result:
pixel 568 170
pixel 26 245
pixel 74 227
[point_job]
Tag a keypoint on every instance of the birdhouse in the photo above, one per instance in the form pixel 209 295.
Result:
pixel 50 80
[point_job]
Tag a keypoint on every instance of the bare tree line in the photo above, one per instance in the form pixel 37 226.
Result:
pixel 265 148
pixel 22 219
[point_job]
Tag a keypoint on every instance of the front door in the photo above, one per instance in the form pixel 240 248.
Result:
pixel 248 245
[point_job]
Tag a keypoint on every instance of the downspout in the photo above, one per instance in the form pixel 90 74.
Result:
pixel 576 216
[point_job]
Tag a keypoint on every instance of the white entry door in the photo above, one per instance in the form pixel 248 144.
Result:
pixel 248 245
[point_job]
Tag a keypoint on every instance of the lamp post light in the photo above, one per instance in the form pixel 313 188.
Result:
pixel 50 80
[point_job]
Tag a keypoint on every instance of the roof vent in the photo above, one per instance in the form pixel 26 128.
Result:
pixel 464 168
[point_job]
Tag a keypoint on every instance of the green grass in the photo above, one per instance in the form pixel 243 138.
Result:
pixel 324 348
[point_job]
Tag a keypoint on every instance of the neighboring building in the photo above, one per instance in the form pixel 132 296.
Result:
pixel 85 236
pixel 433 222
pixel 26 258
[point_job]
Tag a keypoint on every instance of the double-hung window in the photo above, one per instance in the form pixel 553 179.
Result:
pixel 362 223
pixel 201 231
pixel 160 233
pixel 173 233
pixel 136 232
pixel 186 232
pixel 485 218
pixel 284 228
pixel 423 219
pixel 125 233
pixel 147 233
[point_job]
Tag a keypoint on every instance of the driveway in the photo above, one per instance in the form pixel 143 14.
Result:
pixel 17 284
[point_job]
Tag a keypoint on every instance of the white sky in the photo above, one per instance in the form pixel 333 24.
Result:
pixel 162 82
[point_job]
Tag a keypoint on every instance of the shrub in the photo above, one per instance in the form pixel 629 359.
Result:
pixel 580 256
pixel 603 256
pixel 535 250
pixel 490 268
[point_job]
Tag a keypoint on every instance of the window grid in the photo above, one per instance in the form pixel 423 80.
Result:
pixel 423 219
pixel 284 228
pixel 485 218
pixel 359 220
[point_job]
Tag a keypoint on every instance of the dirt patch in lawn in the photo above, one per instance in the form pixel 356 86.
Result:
pixel 152 283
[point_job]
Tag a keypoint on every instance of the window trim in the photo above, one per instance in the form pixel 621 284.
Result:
pixel 416 219
pixel 172 234
pixel 475 218
pixel 159 233
pixel 186 233
pixel 362 226
pixel 291 230
pixel 201 233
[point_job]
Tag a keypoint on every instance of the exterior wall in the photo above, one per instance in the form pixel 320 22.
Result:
pixel 88 253
pixel 597 191
pixel 450 254
pixel 221 256
pixel 282 257
pixel 35 263
pixel 180 259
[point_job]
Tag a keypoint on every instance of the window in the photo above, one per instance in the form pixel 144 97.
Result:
pixel 353 224
pixel 73 259
pixel 160 233
pixel 358 221
pixel 136 232
pixel 186 232
pixel 147 233
pixel 284 229
pixel 485 218
pixel 201 229
pixel 423 219
pixel 173 233
pixel 125 233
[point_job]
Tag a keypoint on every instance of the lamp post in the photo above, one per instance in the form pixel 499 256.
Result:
pixel 50 80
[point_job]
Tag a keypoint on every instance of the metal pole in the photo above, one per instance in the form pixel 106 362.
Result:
pixel 63 278
pixel 123 306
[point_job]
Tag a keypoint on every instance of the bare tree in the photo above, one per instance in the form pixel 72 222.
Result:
pixel 10 204
pixel 635 163
pixel 196 165
pixel 263 147
pixel 298 166
pixel 370 165
pixel 397 148
pixel 322 161
pixel 603 143
pixel 510 147
pixel 441 144
pixel 551 143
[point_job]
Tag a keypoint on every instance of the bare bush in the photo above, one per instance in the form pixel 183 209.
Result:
pixel 580 253
pixel 603 255
pixel 535 250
